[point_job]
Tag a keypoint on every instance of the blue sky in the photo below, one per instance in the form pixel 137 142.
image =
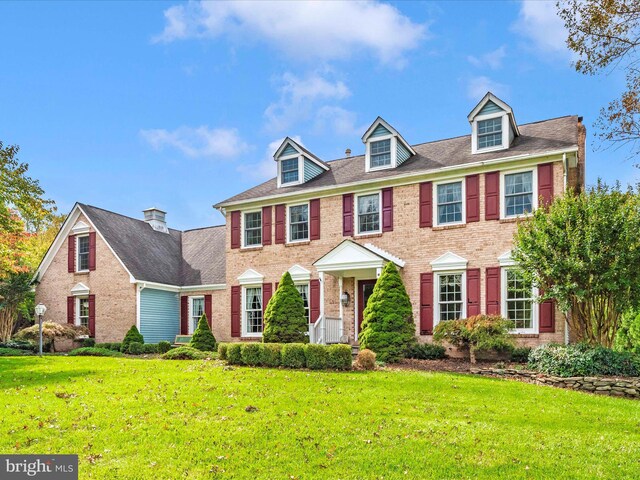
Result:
pixel 180 105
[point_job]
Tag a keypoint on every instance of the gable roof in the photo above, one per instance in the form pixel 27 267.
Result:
pixel 491 98
pixel 390 129
pixel 535 139
pixel 302 150
pixel 203 254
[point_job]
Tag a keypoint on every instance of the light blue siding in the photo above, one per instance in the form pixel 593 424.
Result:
pixel 311 170
pixel 159 315
pixel 402 153
pixel 489 107
pixel 379 131
pixel 289 151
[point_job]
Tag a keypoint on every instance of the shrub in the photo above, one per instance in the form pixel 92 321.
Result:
pixel 426 351
pixel 388 327
pixel 366 360
pixel 251 353
pixel 94 352
pixel 164 346
pixel 133 335
pixel 51 330
pixel 270 354
pixel 222 351
pixel 184 353
pixel 317 356
pixel 285 320
pixel 135 348
pixel 628 336
pixel 109 346
pixel 520 354
pixel 293 355
pixel 89 342
pixel 234 353
pixel 149 348
pixel 202 338
pixel 339 357
pixel 13 352
pixel 20 345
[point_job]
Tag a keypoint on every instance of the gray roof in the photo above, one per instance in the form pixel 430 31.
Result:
pixel 535 139
pixel 194 257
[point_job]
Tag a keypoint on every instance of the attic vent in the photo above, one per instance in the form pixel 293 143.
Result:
pixel 156 218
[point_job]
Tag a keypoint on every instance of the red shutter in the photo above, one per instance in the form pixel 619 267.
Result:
pixel 184 315
pixel 314 300
pixel 387 209
pixel 71 306
pixel 473 198
pixel 314 219
pixel 547 315
pixel 492 196
pixel 266 225
pixel 267 291
pixel 493 291
pixel 280 224
pixel 426 303
pixel 473 292
pixel 208 309
pixel 236 300
pixel 545 184
pixel 426 201
pixel 347 214
pixel 235 229
pixel 92 315
pixel 92 251
pixel 71 254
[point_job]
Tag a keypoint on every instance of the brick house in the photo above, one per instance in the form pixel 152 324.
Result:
pixel 444 212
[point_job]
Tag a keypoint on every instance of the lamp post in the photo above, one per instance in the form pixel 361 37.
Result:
pixel 40 311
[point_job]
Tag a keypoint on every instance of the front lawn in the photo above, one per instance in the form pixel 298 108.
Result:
pixel 136 419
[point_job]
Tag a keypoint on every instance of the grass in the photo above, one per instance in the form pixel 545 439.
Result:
pixel 135 419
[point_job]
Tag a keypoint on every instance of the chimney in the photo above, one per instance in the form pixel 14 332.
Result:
pixel 156 218
pixel 347 152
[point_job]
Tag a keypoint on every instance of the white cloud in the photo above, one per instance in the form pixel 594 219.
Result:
pixel 198 142
pixel 266 168
pixel 337 120
pixel 492 59
pixel 312 30
pixel 540 24
pixel 477 87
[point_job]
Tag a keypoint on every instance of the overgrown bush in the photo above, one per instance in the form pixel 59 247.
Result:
pixel 234 353
pixel 149 348
pixel 164 346
pixel 317 356
pixel 270 355
pixel 184 353
pixel 285 320
pixel 51 330
pixel 251 353
pixel 94 352
pixel 366 360
pixel 222 351
pixel 339 357
pixel 202 338
pixel 582 360
pixel 293 355
pixel 426 351
pixel 520 354
pixel 13 352
pixel 20 345
pixel 133 335
pixel 135 348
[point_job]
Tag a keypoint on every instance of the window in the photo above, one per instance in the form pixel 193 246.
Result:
pixel 450 203
pixel 369 213
pixel 289 170
pixel 380 153
pixel 82 246
pixel 83 312
pixel 518 193
pixel 519 300
pixel 197 309
pixel 490 133
pixel 450 296
pixel 252 229
pixel 304 293
pixel 298 223
pixel 253 311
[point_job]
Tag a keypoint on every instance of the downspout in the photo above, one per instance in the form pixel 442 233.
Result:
pixel 565 165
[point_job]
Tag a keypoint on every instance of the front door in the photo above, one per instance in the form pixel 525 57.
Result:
pixel 365 289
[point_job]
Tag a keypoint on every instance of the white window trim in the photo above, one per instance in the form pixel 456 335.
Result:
pixel 191 299
pixel 503 304
pixel 244 332
pixel 505 132
pixel 308 284
pixel 393 145
pixel 300 170
pixel 464 202
pixel 436 293
pixel 242 222
pixel 356 214
pixel 76 238
pixel 534 193
pixel 288 220
pixel 78 299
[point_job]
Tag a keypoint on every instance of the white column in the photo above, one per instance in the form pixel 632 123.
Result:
pixel 321 277
pixel 341 307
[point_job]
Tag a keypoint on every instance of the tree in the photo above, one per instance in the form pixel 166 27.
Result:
pixel 388 328
pixel 606 36
pixel 584 252
pixel 202 338
pixel 14 289
pixel 285 320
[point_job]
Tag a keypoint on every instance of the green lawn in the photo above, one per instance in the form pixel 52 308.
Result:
pixel 137 419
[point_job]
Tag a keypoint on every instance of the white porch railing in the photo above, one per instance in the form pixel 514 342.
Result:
pixel 325 330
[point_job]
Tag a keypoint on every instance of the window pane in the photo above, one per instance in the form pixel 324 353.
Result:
pixel 369 213
pixel 289 170
pixel 83 253
pixel 299 223
pixel 519 300
pixel 450 296
pixel 252 228
pixel 304 292
pixel 450 203
pixel 490 132
pixel 83 312
pixel 253 310
pixel 518 193
pixel 380 153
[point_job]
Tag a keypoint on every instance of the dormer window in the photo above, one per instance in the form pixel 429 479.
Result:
pixel 296 164
pixel 289 171
pixel 489 133
pixel 385 147
pixel 493 125
pixel 381 153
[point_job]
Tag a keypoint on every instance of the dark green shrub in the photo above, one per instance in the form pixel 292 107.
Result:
pixel 109 346
pixel 164 346
pixel 250 353
pixel 317 356
pixel 234 354
pixel 520 354
pixel 149 348
pixel 222 351
pixel 293 355
pixel 582 360
pixel 13 352
pixel 184 353
pixel 94 352
pixel 20 345
pixel 270 355
pixel 388 327
pixel 285 320
pixel 133 335
pixel 89 342
pixel 135 348
pixel 426 351
pixel 339 357
pixel 202 338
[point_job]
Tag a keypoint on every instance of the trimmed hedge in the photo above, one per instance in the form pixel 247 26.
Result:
pixel 250 354
pixel 164 346
pixel 135 348
pixel 317 356
pixel 270 354
pixel 149 348
pixel 339 357
pixel 234 354
pixel 94 352
pixel 293 355
pixel 184 353
pixel 222 351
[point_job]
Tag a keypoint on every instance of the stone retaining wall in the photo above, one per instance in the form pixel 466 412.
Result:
pixel 619 387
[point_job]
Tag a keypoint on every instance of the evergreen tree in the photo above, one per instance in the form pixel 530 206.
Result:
pixel 285 320
pixel 202 338
pixel 133 335
pixel 388 327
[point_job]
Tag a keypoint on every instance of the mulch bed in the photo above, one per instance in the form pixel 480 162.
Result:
pixel 455 365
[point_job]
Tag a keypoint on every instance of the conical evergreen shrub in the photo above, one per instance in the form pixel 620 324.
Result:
pixel 284 319
pixel 203 338
pixel 387 326
pixel 133 335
